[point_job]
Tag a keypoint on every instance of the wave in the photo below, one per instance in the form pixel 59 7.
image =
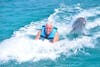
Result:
pixel 22 47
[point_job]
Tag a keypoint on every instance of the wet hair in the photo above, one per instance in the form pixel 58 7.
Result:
pixel 49 23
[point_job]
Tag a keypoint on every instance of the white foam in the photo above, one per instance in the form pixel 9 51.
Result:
pixel 88 13
pixel 93 24
pixel 22 48
pixel 25 49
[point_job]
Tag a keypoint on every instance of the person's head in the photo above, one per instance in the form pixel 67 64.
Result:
pixel 49 27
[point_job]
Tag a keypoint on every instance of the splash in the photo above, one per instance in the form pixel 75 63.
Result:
pixel 25 49
pixel 22 47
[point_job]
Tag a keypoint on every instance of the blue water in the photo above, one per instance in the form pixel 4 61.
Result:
pixel 19 20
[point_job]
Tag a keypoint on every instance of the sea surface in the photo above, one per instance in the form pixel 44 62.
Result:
pixel 20 20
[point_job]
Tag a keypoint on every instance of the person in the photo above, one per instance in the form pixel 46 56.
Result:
pixel 48 32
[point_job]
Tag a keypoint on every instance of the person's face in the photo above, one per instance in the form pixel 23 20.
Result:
pixel 48 28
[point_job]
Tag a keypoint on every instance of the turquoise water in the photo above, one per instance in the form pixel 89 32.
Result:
pixel 21 19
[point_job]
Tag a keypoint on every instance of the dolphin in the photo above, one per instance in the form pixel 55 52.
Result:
pixel 78 28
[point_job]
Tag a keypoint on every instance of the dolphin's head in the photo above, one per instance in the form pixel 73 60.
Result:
pixel 78 28
pixel 81 20
pixel 79 25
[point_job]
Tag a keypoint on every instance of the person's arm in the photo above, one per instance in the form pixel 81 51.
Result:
pixel 56 38
pixel 38 35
